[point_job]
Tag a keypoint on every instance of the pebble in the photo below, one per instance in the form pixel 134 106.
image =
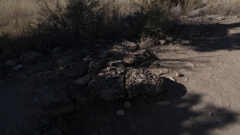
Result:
pixel 120 112
pixel 179 74
pixel 127 105
pixel 171 78
pixel 162 42
pixel 17 67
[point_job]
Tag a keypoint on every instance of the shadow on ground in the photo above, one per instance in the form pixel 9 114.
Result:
pixel 218 37
pixel 173 112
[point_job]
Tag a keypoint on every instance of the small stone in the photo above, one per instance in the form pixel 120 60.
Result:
pixel 104 54
pixel 64 60
pixel 115 62
pixel 171 78
pixel 132 127
pixel 17 67
pixel 120 112
pixel 86 59
pixel 162 42
pixel 83 81
pixel 11 63
pixel 179 74
pixel 127 105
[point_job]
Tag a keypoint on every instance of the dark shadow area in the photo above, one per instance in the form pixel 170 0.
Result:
pixel 212 37
pixel 172 112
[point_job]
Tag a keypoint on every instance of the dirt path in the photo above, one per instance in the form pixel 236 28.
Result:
pixel 204 101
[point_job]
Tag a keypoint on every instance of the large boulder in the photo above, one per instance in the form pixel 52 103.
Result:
pixel 142 81
pixel 109 84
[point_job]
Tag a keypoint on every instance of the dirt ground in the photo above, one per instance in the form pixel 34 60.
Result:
pixel 205 101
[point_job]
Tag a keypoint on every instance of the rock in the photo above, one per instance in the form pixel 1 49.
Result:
pixel 55 103
pixel 132 127
pixel 55 50
pixel 162 42
pixel 83 81
pixel 64 60
pixel 127 46
pixel 31 56
pixel 179 74
pixel 86 59
pixel 109 84
pixel 114 62
pixel 97 64
pixel 104 54
pixel 74 69
pixel 42 66
pixel 127 105
pixel 140 56
pixel 142 81
pixel 11 63
pixel 191 65
pixel 120 112
pixel 17 67
pixel 171 78
pixel 47 75
pixel 146 42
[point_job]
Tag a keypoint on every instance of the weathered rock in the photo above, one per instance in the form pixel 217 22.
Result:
pixel 127 105
pixel 126 46
pixel 162 42
pixel 74 69
pixel 104 54
pixel 83 81
pixel 114 62
pixel 109 84
pixel 17 67
pixel 42 66
pixel 146 42
pixel 140 56
pixel 55 50
pixel 11 63
pixel 97 63
pixel 31 56
pixel 64 60
pixel 142 81
pixel 179 74
pixel 47 75
pixel 120 112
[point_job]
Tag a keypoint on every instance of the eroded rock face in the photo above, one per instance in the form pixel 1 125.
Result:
pixel 109 84
pixel 142 81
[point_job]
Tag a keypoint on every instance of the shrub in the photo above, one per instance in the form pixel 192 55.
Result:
pixel 64 24
pixel 153 20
